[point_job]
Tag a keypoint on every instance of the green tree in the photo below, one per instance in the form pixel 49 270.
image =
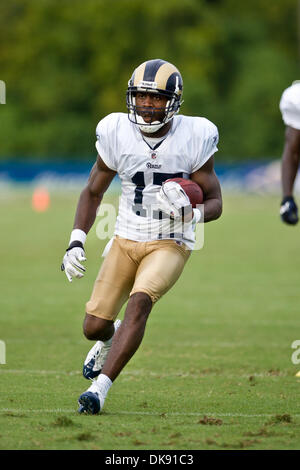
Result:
pixel 66 64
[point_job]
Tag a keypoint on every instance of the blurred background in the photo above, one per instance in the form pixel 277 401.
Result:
pixel 66 65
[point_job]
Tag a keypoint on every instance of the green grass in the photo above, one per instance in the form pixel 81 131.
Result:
pixel 214 370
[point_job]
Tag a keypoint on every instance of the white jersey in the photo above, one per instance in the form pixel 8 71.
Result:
pixel 290 105
pixel 190 142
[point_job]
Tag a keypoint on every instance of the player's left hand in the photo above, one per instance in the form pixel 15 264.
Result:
pixel 71 264
pixel 173 201
pixel 289 211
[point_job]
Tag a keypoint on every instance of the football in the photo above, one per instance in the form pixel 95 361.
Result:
pixel 192 189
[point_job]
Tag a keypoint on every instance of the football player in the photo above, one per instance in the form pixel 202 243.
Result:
pixel 290 109
pixel 153 236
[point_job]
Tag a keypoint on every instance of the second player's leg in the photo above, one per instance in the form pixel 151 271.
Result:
pixel 125 342
pixel 95 328
pixel 129 335
pixel 110 292
pixel 157 273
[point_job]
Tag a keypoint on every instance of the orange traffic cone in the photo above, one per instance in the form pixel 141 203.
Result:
pixel 40 200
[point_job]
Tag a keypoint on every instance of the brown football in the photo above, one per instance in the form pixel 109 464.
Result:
pixel 192 189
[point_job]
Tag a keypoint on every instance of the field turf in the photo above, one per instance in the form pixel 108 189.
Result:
pixel 214 370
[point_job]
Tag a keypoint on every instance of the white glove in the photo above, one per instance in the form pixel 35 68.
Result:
pixel 72 262
pixel 172 199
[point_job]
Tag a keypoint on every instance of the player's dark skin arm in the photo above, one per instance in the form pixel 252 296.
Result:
pixel 207 179
pixel 290 160
pixel 99 180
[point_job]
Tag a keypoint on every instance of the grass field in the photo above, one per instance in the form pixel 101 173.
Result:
pixel 214 370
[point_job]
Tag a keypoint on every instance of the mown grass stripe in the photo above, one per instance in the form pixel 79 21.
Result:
pixel 146 413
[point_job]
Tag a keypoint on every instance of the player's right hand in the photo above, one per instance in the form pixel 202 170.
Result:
pixel 173 200
pixel 289 211
pixel 71 264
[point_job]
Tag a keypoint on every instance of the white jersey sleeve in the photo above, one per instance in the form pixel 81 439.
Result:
pixel 290 105
pixel 207 141
pixel 104 133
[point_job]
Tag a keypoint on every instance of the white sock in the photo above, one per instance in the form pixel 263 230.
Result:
pixel 103 384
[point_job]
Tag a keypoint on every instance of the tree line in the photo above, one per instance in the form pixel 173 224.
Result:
pixel 66 64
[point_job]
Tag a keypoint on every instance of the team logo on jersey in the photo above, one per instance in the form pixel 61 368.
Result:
pixel 151 165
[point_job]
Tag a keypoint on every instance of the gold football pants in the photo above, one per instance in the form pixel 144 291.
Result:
pixel 152 267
